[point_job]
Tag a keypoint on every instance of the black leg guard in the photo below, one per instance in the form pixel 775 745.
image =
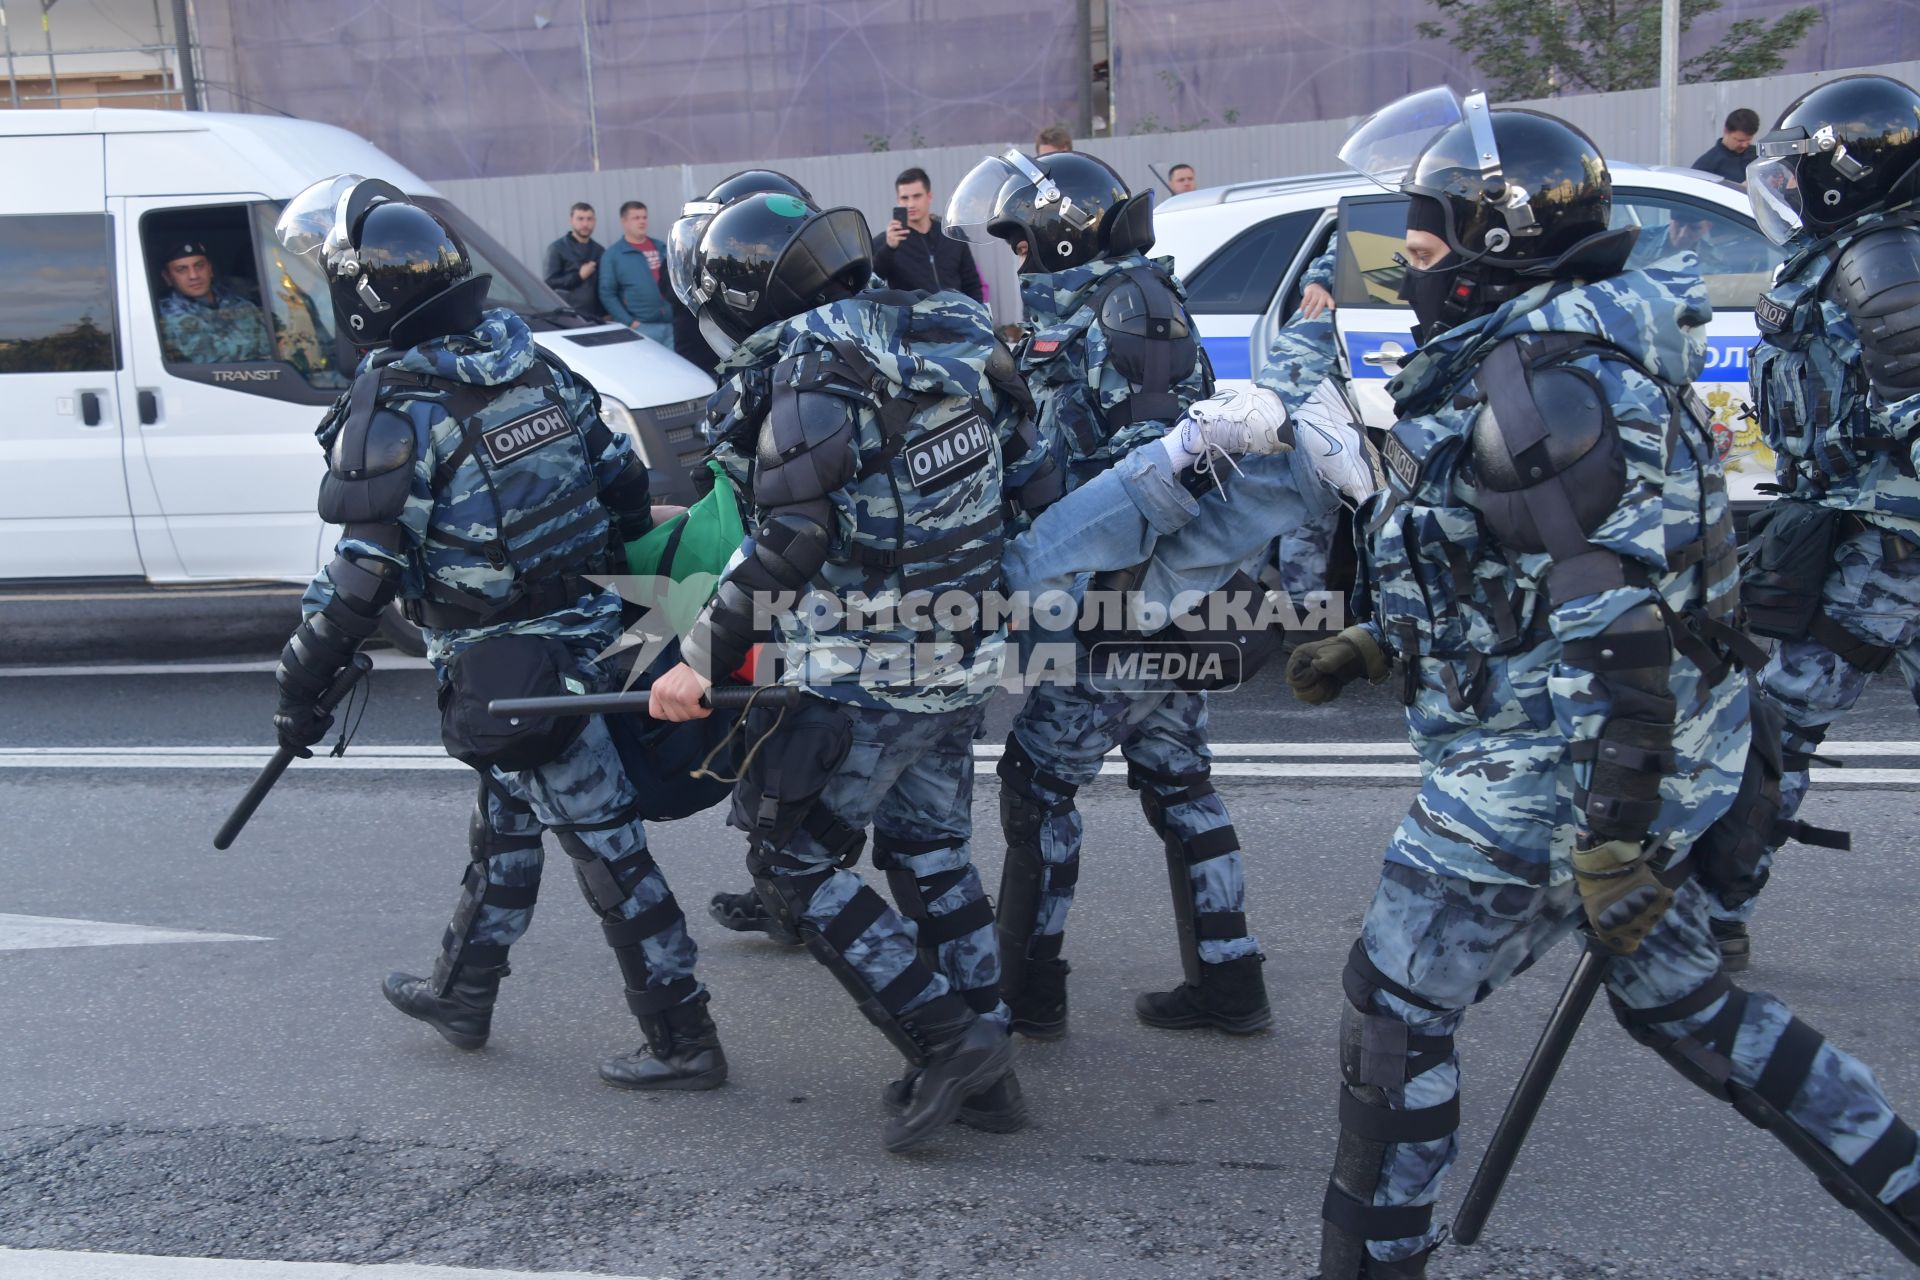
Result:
pixel 1703 1058
pixel 914 897
pixel 788 896
pixel 1158 792
pixel 457 948
pixel 1025 877
pixel 1377 1053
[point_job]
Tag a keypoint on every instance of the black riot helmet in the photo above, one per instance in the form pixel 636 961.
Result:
pixel 683 238
pixel 771 256
pixel 397 274
pixel 1848 148
pixel 1069 207
pixel 1519 197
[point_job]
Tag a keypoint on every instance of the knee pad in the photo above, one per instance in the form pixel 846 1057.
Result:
pixel 607 882
pixel 1161 791
pixel 1022 775
pixel 915 896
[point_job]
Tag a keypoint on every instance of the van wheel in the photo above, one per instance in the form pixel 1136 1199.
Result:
pixel 401 634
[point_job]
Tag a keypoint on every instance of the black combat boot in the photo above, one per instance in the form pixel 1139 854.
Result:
pixel 964 1056
pixel 682 1053
pixel 463 1016
pixel 1039 1003
pixel 745 913
pixel 1231 996
pixel 999 1108
pixel 1736 947
pixel 1414 1268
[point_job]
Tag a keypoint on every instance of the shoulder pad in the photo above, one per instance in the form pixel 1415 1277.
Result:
pixel 1877 282
pixel 806 448
pixel 1142 305
pixel 1544 445
pixel 370 466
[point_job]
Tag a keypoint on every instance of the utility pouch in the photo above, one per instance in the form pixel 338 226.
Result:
pixel 780 788
pixel 507 666
pixel 1789 553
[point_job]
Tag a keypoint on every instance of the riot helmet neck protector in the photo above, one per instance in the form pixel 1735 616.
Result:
pixel 1846 149
pixel 1068 208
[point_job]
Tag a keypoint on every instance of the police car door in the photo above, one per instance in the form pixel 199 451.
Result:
pixel 226 455
pixel 63 492
pixel 1231 294
pixel 1374 326
pixel 1737 264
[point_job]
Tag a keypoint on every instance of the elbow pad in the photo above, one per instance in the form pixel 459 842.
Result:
pixel 788 550
pixel 1046 486
pixel 325 641
pixel 1877 281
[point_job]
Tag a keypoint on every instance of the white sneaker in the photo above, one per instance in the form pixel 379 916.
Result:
pixel 1335 445
pixel 1241 420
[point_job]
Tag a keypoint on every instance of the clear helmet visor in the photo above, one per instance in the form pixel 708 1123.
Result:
pixel 980 199
pixel 312 224
pixel 1387 142
pixel 683 250
pixel 1773 189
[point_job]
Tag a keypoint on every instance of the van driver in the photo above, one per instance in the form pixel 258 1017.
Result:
pixel 201 322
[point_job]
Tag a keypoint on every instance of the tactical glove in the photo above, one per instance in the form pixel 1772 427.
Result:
pixel 1622 896
pixel 299 726
pixel 1318 670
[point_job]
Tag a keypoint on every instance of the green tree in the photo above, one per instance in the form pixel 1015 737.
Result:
pixel 1536 48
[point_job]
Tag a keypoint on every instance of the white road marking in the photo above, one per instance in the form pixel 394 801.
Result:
pixel 383 660
pixel 35 933
pixel 57 1264
pixel 151 594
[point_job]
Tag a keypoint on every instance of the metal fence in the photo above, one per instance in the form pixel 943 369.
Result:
pixel 527 213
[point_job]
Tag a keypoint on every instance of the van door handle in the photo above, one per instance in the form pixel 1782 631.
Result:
pixel 149 402
pixel 90 408
pixel 1383 357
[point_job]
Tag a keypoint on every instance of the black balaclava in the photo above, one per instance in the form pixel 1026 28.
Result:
pixel 1430 292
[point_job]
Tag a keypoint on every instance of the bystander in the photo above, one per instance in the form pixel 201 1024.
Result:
pixel 1181 179
pixel 572 261
pixel 1053 138
pixel 633 284
pixel 913 254
pixel 1729 157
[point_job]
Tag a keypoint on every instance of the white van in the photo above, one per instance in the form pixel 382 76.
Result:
pixel 119 460
pixel 1240 251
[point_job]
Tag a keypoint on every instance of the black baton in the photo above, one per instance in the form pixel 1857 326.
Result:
pixel 1491 1177
pixel 634 701
pixel 336 692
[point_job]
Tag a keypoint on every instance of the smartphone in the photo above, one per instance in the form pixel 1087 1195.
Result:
pixel 900 214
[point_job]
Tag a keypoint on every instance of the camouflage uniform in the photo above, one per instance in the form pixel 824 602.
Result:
pixel 1506 711
pixel 902 704
pixel 1841 447
pixel 219 329
pixel 477 538
pixel 1301 356
pixel 1064 731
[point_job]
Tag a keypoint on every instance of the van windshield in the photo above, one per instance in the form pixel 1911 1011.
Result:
pixel 514 287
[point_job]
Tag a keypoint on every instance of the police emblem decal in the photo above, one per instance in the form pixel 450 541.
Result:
pixel 522 436
pixel 949 453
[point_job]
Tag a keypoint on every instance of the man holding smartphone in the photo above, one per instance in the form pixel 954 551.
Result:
pixel 911 253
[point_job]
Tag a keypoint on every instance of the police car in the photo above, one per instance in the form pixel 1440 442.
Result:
pixel 1241 251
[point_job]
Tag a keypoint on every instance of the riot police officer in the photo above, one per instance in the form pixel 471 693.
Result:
pixel 882 434
pixel 1553 565
pixel 1835 570
pixel 478 485
pixel 1112 361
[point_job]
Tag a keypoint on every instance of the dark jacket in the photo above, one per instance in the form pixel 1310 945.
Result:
pixel 564 259
pixel 932 262
pixel 628 291
pixel 1726 164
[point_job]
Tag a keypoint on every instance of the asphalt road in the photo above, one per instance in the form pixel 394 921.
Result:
pixel 258 1099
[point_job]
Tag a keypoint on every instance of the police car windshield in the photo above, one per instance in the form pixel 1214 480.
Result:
pixel 514 287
